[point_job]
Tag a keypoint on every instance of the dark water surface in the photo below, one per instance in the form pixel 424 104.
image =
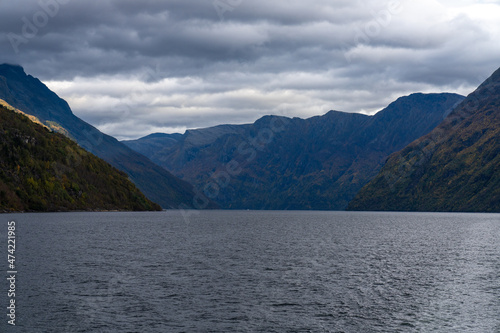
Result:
pixel 247 271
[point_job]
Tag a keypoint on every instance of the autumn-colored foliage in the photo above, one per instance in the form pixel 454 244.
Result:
pixel 42 170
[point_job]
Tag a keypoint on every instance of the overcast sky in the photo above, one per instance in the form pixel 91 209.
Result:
pixel 136 67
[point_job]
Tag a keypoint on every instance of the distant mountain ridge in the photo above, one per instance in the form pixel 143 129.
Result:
pixel 456 167
pixel 153 142
pixel 284 163
pixel 43 171
pixel 31 96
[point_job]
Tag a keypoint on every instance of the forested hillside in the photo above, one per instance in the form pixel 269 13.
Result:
pixel 44 171
pixel 456 167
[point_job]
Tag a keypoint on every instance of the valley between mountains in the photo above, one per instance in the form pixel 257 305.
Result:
pixel 435 152
pixel 291 163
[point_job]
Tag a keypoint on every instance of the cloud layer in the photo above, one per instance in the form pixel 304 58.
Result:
pixel 132 68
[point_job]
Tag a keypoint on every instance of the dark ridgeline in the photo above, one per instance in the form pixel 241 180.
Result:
pixel 148 145
pixel 456 167
pixel 316 163
pixel 45 171
pixel 31 96
pixel 283 163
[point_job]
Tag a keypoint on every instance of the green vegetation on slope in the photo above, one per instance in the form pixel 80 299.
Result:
pixel 45 171
pixel 456 167
pixel 28 94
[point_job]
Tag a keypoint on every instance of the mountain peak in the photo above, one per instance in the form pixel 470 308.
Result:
pixel 30 95
pixel 453 168
pixel 496 75
pixel 12 67
pixel 491 83
pixel 282 163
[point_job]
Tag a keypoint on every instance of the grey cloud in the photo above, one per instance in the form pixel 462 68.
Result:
pixel 194 67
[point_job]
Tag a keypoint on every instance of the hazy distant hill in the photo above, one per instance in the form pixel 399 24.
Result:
pixel 456 167
pixel 28 94
pixel 45 171
pixel 283 163
pixel 150 144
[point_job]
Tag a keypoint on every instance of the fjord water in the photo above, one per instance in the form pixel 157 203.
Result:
pixel 256 271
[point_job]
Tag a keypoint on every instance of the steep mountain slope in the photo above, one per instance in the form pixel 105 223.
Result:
pixel 28 94
pixel 456 167
pixel 283 163
pixel 44 171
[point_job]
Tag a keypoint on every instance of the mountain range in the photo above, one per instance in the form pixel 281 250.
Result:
pixel 42 170
pixel 28 94
pixel 425 152
pixel 456 167
pixel 292 163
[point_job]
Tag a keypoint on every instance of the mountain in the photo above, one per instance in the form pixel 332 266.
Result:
pixel 283 163
pixel 456 167
pixel 151 143
pixel 45 171
pixel 28 94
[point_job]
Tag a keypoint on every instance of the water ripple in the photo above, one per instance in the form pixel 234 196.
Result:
pixel 235 271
